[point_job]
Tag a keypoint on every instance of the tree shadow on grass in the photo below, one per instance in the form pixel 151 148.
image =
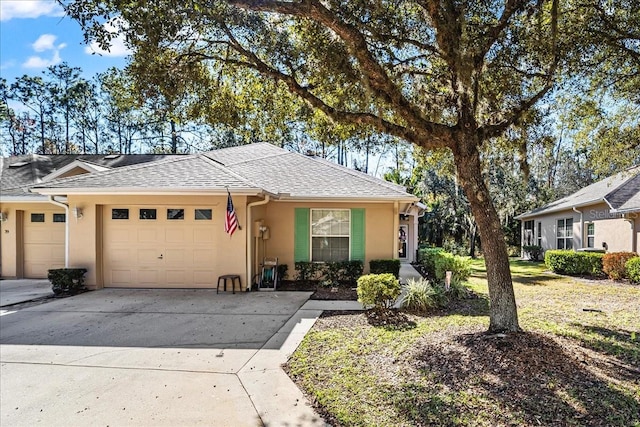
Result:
pixel 523 379
pixel 622 344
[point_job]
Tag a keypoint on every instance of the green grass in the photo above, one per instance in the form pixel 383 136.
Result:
pixel 439 370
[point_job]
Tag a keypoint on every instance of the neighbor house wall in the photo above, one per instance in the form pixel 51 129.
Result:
pixel 12 233
pixel 379 229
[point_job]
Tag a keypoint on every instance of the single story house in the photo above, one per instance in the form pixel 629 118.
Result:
pixel 604 215
pixel 158 221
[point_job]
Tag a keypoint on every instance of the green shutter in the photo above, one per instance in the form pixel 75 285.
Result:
pixel 357 234
pixel 301 235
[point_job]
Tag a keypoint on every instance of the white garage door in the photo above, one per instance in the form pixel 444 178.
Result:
pixel 159 247
pixel 43 242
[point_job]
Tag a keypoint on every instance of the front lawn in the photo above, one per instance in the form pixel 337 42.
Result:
pixel 578 363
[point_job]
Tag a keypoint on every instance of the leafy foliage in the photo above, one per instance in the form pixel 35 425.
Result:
pixel 574 263
pixel 613 264
pixel 380 266
pixel 378 290
pixel 460 267
pixel 420 295
pixel 68 281
pixel 632 269
pixel 333 273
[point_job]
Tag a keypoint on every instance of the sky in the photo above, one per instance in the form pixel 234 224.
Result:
pixel 35 34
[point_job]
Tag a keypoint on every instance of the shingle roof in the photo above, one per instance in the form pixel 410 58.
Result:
pixel 194 172
pixel 626 198
pixel 625 184
pixel 294 175
pixel 255 167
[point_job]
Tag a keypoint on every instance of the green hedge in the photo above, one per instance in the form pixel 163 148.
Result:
pixel 458 265
pixel 382 266
pixel 574 263
pixel 427 257
pixel 68 281
pixel 338 272
pixel 378 290
pixel 632 270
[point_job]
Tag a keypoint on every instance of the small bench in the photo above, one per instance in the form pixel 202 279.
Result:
pixel 232 278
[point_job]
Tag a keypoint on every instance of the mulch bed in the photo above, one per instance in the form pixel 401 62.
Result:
pixel 342 293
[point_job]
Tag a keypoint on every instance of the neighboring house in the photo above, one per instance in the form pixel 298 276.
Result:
pixel 604 215
pixel 158 221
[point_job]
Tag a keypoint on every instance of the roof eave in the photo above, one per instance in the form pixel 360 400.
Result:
pixel 51 191
pixel 379 199
pixel 554 210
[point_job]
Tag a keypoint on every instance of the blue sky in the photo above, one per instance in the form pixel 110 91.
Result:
pixel 35 34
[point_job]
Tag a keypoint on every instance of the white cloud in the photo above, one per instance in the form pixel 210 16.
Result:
pixel 7 65
pixel 39 62
pixel 117 46
pixel 12 9
pixel 44 42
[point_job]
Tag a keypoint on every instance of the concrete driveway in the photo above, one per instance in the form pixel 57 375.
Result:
pixel 17 291
pixel 152 357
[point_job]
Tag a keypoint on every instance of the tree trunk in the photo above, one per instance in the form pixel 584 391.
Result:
pixel 503 312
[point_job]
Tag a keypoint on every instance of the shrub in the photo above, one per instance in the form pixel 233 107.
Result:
pixel 282 271
pixel 381 266
pixel 307 270
pixel 532 252
pixel 350 271
pixel 574 263
pixel 613 264
pixel 68 281
pixel 632 269
pixel 428 259
pixel 459 266
pixel 378 290
pixel 419 295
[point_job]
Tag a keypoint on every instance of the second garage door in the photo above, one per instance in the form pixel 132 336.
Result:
pixel 159 247
pixel 43 242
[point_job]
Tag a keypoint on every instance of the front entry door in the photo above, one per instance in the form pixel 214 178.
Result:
pixel 403 235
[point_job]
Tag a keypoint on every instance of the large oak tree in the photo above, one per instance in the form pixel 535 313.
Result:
pixel 437 73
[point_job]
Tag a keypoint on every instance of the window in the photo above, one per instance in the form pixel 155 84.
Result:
pixel 330 233
pixel 591 235
pixel 37 217
pixel 175 213
pixel 203 214
pixel 539 234
pixel 528 233
pixel 147 214
pixel 59 218
pixel 119 213
pixel 565 233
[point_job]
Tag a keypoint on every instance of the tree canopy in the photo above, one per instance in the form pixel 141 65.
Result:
pixel 444 74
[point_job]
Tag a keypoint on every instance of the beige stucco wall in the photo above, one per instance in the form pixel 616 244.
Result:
pixel 85 233
pixel 279 217
pixel 11 234
pixel 612 229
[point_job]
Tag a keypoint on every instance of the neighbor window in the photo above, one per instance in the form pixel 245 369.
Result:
pixel 37 217
pixel 119 213
pixel 203 214
pixel 330 233
pixel 147 214
pixel 591 235
pixel 59 217
pixel 539 234
pixel 175 213
pixel 565 233
pixel 528 233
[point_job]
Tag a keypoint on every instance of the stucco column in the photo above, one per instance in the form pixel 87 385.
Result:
pixel 396 226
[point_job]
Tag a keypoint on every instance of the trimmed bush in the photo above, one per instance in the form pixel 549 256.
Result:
pixel 306 271
pixel 632 269
pixel 378 290
pixel 282 271
pixel 67 281
pixel 419 296
pixel 350 271
pixel 574 263
pixel 613 264
pixel 532 252
pixel 382 266
pixel 427 258
pixel 458 265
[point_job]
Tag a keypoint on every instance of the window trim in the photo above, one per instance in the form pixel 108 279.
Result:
pixel 39 215
pixel 120 209
pixel 592 235
pixel 564 233
pixel 184 214
pixel 64 216
pixel 155 214
pixel 311 235
pixel 195 214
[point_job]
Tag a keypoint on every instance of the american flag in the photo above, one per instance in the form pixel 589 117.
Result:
pixel 231 220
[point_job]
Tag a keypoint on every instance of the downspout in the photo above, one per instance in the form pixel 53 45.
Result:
pixel 53 201
pixel 249 226
pixel 631 222
pixel 581 227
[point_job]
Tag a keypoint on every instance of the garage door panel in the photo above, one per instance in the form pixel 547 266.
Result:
pixel 132 250
pixel 43 244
